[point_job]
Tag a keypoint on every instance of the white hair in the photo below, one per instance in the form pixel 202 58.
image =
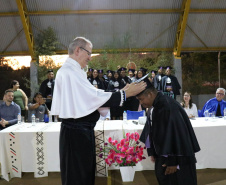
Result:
pixel 221 89
pixel 78 41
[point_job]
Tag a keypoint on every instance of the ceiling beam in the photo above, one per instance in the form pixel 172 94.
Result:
pixel 117 11
pixel 21 4
pixel 181 27
pixel 134 50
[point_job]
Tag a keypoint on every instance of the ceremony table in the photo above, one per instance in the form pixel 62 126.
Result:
pixel 27 148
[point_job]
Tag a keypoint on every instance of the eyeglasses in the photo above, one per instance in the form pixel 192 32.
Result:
pixel 221 94
pixel 88 53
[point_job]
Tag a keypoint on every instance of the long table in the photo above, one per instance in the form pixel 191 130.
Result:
pixel 26 148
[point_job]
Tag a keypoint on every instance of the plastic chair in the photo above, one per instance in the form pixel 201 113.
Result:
pixel 200 113
pixel 134 114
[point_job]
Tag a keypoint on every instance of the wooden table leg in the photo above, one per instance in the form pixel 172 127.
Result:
pixel 109 178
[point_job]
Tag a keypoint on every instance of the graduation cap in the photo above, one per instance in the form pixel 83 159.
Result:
pixel 153 71
pixel 90 69
pixel 146 80
pixel 160 67
pixel 100 71
pixel 49 71
pixel 168 67
pixel 122 69
pixel 132 70
pixel 143 69
pixel 110 71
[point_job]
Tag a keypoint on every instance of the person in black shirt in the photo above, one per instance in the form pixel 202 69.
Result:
pixel 47 87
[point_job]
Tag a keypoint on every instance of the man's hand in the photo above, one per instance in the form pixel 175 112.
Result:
pixel 3 122
pixel 170 169
pixel 153 159
pixel 135 88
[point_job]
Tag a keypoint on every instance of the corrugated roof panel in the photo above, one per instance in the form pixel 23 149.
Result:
pixel 8 6
pixel 40 5
pixel 112 30
pixel 210 28
pixel 208 4
pixel 9 29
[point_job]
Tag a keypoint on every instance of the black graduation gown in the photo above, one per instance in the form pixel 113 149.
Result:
pixel 171 132
pixel 157 82
pixel 77 147
pixel 174 82
pixel 115 85
pixel 45 90
pixel 99 83
pixel 126 80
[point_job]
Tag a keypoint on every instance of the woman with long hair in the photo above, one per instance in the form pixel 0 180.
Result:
pixel 189 107
pixel 116 84
pixel 20 98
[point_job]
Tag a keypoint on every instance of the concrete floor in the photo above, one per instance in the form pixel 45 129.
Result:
pixel 205 177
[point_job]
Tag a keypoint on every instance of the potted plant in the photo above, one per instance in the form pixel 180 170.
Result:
pixel 124 154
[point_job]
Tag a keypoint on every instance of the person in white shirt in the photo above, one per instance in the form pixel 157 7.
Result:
pixel 76 101
pixel 189 107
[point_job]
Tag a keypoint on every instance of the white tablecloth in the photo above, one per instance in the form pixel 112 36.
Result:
pixel 211 136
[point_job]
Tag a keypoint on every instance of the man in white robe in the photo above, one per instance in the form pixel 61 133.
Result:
pixel 76 101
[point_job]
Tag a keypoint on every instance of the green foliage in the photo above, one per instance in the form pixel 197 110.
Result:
pixel 150 61
pixel 46 43
pixel 200 72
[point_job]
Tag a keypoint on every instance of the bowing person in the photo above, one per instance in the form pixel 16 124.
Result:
pixel 76 101
pixel 169 137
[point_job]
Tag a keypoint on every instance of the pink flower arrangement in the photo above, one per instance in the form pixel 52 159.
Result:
pixel 127 152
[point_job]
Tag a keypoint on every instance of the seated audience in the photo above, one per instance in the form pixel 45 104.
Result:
pixel 189 107
pixel 216 104
pixel 37 107
pixel 8 110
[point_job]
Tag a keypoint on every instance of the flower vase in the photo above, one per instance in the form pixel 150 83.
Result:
pixel 127 173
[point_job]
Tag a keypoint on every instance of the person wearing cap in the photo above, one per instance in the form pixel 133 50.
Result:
pixel 101 77
pixel 131 75
pixel 170 84
pixel 151 78
pixel 169 137
pixel 89 73
pixel 216 105
pixel 47 87
pixel 76 101
pixel 108 77
pixel 125 78
pixel 144 70
pixel 140 74
pixel 158 79
pixel 95 81
pixel 114 85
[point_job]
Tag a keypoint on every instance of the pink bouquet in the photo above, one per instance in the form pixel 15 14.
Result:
pixel 127 152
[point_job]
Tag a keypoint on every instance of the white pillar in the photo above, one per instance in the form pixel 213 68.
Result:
pixel 178 74
pixel 33 78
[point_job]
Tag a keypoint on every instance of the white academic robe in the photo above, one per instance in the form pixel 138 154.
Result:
pixel 74 96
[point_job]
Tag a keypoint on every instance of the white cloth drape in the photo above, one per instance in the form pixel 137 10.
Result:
pixel 74 96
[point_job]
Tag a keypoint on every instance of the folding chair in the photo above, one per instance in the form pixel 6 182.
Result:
pixel 134 114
